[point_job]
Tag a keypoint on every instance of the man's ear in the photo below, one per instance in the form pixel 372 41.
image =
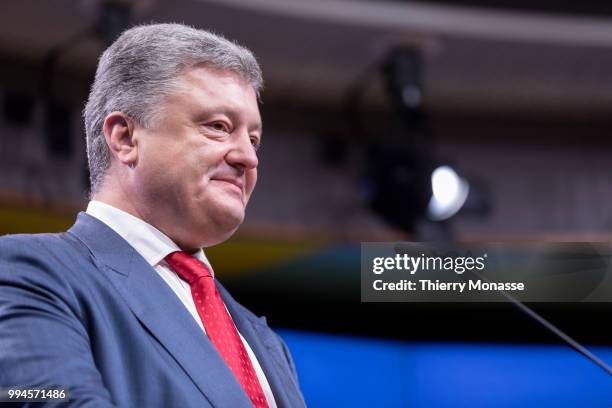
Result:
pixel 119 134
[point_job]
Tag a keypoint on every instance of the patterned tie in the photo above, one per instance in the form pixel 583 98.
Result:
pixel 218 323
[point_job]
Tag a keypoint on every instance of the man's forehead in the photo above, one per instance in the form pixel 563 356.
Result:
pixel 210 76
pixel 220 89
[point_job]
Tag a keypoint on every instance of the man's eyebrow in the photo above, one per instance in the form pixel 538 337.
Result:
pixel 257 128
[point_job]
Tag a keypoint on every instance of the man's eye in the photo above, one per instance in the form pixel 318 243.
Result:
pixel 219 126
pixel 255 142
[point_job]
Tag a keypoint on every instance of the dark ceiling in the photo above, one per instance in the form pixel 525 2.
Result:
pixel 574 8
pixel 482 59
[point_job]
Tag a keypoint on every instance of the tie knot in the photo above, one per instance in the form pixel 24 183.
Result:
pixel 187 267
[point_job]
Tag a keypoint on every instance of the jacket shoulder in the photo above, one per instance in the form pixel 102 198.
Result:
pixel 49 247
pixel 47 265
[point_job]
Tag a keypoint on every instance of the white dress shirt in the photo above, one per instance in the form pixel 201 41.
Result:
pixel 153 246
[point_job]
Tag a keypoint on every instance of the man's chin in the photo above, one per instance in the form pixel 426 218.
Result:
pixel 229 218
pixel 234 210
pixel 217 221
pixel 220 231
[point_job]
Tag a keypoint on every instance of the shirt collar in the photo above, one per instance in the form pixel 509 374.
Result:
pixel 152 244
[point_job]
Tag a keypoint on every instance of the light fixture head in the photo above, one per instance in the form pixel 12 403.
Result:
pixel 449 192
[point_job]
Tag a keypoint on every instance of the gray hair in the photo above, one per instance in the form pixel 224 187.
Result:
pixel 142 67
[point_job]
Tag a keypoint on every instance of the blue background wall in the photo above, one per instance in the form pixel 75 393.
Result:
pixel 342 371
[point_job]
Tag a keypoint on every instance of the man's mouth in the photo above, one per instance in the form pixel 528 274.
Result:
pixel 237 184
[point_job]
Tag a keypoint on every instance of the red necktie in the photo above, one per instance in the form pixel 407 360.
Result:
pixel 218 323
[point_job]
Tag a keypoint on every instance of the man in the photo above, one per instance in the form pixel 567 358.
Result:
pixel 123 309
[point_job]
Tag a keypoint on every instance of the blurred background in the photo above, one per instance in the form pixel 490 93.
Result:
pixel 445 120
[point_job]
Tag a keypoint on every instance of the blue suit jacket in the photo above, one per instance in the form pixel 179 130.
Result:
pixel 84 311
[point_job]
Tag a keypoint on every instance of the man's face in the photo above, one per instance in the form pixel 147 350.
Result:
pixel 197 163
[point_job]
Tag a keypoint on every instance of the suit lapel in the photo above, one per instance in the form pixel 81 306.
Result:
pixel 161 312
pixel 269 354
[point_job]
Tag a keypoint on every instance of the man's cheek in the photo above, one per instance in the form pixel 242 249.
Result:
pixel 250 179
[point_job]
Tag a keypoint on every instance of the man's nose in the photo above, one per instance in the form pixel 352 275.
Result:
pixel 243 153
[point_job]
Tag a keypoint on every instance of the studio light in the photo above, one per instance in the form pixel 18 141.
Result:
pixel 449 193
pixel 405 182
